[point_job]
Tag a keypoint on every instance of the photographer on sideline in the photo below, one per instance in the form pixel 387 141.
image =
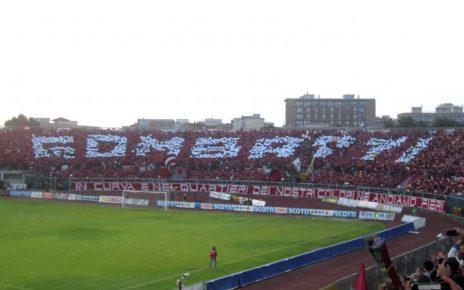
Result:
pixel 180 282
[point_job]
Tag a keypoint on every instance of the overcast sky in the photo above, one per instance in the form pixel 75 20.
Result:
pixel 108 63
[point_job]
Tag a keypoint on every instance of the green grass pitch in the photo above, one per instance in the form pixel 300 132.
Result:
pixel 48 245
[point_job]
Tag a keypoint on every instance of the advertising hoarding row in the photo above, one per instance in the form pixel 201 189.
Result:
pixel 209 206
pixel 78 197
pixel 384 216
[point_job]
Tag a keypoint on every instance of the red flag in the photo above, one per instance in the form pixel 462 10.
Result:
pixel 360 282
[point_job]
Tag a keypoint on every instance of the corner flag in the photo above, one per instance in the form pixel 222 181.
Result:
pixel 360 282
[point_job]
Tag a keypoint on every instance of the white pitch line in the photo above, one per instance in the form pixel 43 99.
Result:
pixel 14 287
pixel 240 259
pixel 155 281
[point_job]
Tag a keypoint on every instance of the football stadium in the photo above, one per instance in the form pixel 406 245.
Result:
pixel 283 209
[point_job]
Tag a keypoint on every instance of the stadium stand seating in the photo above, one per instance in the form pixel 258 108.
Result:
pixel 423 160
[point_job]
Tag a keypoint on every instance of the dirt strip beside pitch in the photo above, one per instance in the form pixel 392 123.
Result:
pixel 316 276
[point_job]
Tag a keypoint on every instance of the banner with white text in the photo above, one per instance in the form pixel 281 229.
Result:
pixel 265 190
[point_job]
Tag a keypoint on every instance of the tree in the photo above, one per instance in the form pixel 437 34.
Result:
pixel 388 123
pixel 21 121
pixel 422 124
pixel 444 122
pixel 406 122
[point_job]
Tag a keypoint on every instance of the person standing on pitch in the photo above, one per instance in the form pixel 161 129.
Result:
pixel 212 257
pixel 180 282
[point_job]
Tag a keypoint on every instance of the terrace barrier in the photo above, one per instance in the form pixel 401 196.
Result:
pixel 454 204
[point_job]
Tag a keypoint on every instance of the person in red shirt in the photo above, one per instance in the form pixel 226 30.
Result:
pixel 212 257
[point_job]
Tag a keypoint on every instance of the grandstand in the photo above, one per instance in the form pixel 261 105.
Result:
pixel 423 161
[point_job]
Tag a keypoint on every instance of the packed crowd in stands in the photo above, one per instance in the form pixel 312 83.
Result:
pixel 442 270
pixel 425 161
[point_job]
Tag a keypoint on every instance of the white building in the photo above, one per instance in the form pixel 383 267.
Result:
pixel 444 111
pixel 247 123
pixel 211 122
pixel 166 125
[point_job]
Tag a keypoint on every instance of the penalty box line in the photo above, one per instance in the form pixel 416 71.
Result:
pixel 14 287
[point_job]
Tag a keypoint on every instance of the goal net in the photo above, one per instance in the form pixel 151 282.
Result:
pixel 146 198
